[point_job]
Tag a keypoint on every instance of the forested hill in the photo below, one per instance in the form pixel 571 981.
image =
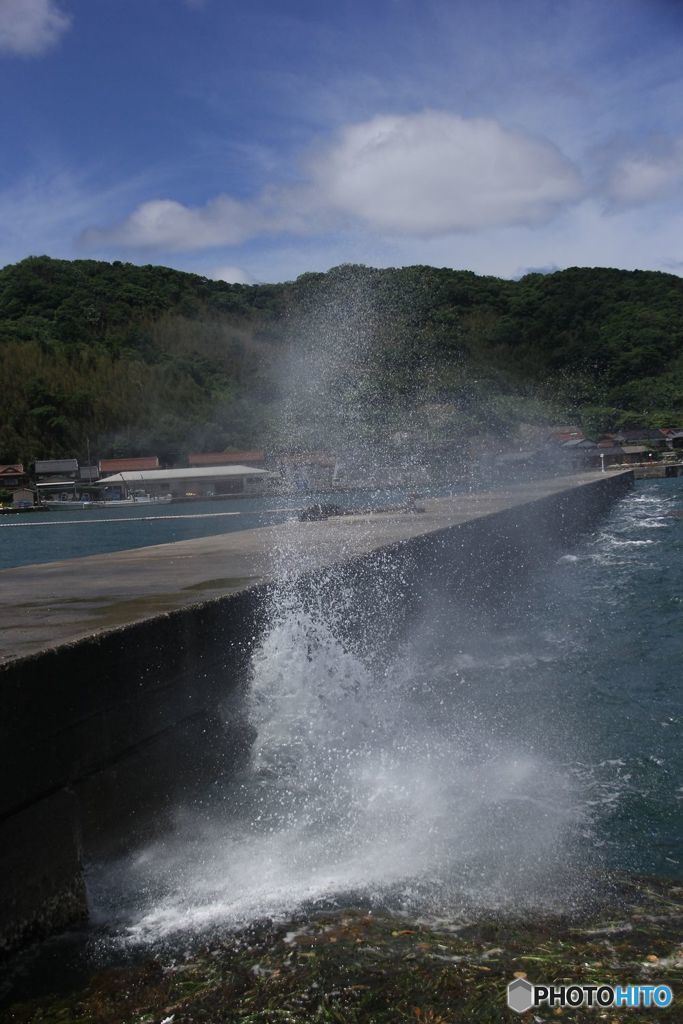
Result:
pixel 136 359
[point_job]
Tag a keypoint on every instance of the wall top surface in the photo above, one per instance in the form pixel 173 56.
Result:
pixel 45 606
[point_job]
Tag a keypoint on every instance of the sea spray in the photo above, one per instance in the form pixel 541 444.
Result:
pixel 449 760
pixel 366 783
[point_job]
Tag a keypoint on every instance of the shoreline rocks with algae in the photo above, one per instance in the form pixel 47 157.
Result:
pixel 355 967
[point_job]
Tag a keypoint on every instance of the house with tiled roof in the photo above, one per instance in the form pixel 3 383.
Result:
pixel 253 457
pixel 109 466
pixel 12 475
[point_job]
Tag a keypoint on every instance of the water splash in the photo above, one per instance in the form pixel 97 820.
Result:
pixel 366 782
pixel 436 773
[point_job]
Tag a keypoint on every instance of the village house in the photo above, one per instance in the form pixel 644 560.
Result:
pixel 12 476
pixel 579 451
pixel 562 434
pixel 254 458
pixel 109 466
pixel 23 497
pixel 673 438
pixel 55 471
pixel 56 478
pixel 646 436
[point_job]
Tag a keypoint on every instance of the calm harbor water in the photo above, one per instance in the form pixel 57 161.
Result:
pixel 35 537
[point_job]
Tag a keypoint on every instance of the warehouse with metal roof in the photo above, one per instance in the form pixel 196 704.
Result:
pixel 187 482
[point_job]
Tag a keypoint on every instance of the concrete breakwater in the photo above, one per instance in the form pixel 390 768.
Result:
pixel 105 731
pixel 658 470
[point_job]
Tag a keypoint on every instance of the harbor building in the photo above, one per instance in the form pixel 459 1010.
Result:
pixel 55 471
pixel 186 483
pixel 57 479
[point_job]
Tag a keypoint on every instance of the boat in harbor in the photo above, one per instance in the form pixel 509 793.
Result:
pixel 77 504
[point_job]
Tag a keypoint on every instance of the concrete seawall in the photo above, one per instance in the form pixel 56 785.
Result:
pixel 105 729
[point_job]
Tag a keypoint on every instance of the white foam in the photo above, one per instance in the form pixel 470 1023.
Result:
pixel 360 781
pixel 377 780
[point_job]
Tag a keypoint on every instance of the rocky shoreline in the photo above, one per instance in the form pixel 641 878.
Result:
pixel 352 966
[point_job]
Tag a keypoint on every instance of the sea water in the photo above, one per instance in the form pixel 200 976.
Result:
pixel 502 759
pixel 36 537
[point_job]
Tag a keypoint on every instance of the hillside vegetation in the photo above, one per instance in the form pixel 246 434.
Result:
pixel 132 360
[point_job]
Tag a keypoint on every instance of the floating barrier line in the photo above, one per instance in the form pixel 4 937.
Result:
pixel 124 519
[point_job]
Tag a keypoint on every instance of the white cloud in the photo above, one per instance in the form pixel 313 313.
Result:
pixel 30 27
pixel 638 179
pixel 167 224
pixel 433 173
pixel 424 174
pixel 231 275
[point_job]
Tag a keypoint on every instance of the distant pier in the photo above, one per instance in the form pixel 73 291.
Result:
pixel 658 470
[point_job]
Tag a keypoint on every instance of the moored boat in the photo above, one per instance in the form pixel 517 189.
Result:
pixel 132 501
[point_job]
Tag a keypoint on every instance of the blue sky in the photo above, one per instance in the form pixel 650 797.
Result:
pixel 255 141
